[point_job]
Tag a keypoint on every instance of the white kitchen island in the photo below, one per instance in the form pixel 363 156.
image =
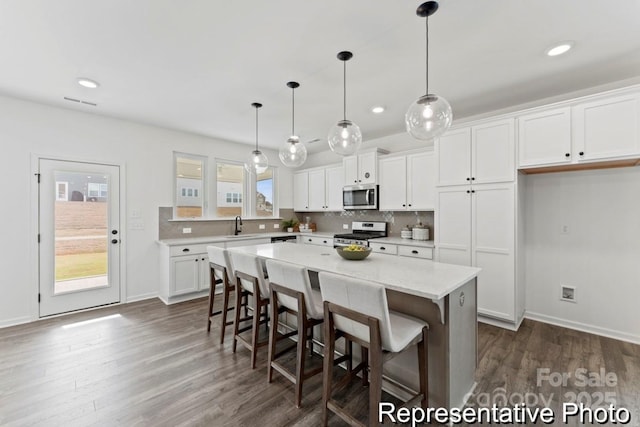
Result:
pixel 442 294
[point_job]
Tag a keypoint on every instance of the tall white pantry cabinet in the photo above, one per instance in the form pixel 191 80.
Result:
pixel 476 212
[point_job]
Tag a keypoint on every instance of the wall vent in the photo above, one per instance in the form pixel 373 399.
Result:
pixel 568 293
pixel 79 101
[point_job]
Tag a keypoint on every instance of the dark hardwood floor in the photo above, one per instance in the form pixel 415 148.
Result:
pixel 157 366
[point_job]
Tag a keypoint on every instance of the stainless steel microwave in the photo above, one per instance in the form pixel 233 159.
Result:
pixel 356 197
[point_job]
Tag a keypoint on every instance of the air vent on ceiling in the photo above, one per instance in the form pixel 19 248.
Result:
pixel 79 101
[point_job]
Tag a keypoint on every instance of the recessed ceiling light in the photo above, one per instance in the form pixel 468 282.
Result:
pixel 85 82
pixel 377 109
pixel 559 49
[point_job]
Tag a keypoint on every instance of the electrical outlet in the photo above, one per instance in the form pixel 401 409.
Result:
pixel 568 293
pixel 136 225
pixel 345 226
pixel 186 230
pixel 261 226
pixel 564 229
pixel 276 226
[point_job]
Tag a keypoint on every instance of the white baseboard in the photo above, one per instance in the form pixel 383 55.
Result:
pixel 499 323
pixel 142 297
pixel 15 321
pixel 582 327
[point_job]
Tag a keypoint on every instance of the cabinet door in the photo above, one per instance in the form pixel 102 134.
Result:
pixel 185 274
pixel 453 154
pixel 493 152
pixel 350 165
pixel 316 190
pixel 204 281
pixel 334 181
pixel 421 181
pixel 301 191
pixel 493 241
pixel 607 128
pixel 367 168
pixel 544 138
pixel 393 184
pixel 453 225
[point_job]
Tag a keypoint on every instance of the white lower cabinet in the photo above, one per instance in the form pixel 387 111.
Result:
pixel 315 240
pixel 424 252
pixel 185 272
pixel 475 225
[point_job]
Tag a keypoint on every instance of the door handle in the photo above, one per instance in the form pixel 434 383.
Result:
pixel 114 241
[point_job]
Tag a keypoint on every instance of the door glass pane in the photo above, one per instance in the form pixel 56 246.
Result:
pixel 81 232
pixel 230 182
pixel 264 193
pixel 189 201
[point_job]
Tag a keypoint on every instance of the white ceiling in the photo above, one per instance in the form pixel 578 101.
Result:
pixel 197 65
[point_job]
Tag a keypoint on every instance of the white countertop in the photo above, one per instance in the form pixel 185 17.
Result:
pixel 240 237
pixel 413 276
pixel 406 242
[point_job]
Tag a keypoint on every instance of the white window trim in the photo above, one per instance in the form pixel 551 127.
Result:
pixel 204 160
pixel 66 191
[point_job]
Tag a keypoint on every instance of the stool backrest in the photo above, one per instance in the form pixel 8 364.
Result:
pixel 361 296
pixel 295 277
pixel 251 265
pixel 220 256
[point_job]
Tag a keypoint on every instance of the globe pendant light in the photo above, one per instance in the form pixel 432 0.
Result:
pixel 257 162
pixel 293 153
pixel 345 137
pixel 430 115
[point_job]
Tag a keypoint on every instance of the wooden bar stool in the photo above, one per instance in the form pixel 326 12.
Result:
pixel 359 310
pixel 221 272
pixel 291 293
pixel 250 281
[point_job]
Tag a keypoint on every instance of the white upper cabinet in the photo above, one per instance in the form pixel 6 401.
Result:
pixel 544 138
pixel 453 151
pixel 480 154
pixel 408 182
pixel 361 168
pixel 318 189
pixel 301 191
pixel 493 152
pixel 607 128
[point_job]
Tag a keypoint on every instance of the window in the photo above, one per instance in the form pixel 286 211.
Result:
pixel 189 185
pixel 230 181
pixel 62 191
pixel 96 190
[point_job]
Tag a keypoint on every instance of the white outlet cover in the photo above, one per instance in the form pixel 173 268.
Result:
pixel 261 226
pixel 345 226
pixel 186 230
pixel 276 226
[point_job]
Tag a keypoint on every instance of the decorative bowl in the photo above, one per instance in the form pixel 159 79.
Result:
pixel 353 255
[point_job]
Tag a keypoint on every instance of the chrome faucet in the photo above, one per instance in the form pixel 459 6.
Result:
pixel 238 230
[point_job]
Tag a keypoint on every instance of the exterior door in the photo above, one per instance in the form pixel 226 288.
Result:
pixel 79 231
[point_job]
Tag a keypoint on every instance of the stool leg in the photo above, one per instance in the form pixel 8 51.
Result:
pixel 212 292
pixel 272 335
pixel 375 384
pixel 255 331
pixel 302 347
pixel 327 370
pixel 423 368
pixel 364 354
pixel 225 307
pixel 236 317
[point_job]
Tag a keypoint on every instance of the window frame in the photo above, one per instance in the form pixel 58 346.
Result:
pixel 204 162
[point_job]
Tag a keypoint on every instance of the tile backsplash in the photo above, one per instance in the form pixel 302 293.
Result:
pixel 333 221
pixel 328 222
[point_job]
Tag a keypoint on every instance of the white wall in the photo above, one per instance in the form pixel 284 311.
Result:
pixel 600 255
pixel 28 128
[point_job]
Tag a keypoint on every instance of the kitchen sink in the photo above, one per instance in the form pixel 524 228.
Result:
pixel 235 236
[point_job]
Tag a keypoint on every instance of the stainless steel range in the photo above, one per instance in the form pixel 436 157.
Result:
pixel 361 232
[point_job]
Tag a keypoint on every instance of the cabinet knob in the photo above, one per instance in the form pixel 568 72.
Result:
pixel 196 259
pixel 468 179
pixel 409 204
pixel 468 191
pixel 324 241
pixel 581 153
pixel 473 191
pixel 310 240
pixel 567 154
pixel 403 205
pixel 185 250
pixel 114 231
pixel 473 178
pixel 355 180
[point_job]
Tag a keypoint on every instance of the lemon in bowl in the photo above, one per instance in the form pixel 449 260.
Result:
pixel 353 252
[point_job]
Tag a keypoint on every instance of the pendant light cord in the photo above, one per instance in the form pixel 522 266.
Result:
pixel 344 88
pixel 293 111
pixel 427 54
pixel 257 129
